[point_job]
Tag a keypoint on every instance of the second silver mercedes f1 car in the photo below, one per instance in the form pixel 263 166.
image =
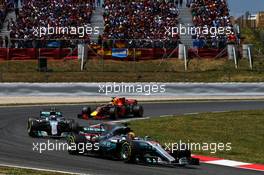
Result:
pixel 50 123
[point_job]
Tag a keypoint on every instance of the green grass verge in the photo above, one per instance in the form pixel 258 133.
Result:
pixel 20 171
pixel 171 70
pixel 245 131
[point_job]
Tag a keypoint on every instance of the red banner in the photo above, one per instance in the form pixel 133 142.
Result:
pixel 66 53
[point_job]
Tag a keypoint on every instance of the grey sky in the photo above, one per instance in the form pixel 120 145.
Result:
pixel 239 7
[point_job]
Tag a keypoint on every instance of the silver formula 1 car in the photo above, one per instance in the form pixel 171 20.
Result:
pixel 112 141
pixel 49 123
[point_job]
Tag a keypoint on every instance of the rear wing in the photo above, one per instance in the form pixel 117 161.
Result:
pixel 93 130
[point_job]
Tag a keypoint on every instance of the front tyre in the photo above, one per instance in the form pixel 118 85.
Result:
pixel 128 153
pixel 30 128
pixel 74 126
pixel 125 153
pixel 74 142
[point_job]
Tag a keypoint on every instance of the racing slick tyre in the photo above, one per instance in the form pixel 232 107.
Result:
pixel 74 141
pixel 127 153
pixel 113 112
pixel 138 111
pixel 30 128
pixel 74 126
pixel 180 155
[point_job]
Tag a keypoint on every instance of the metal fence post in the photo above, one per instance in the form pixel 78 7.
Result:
pixel 1 76
pixel 235 57
pixel 250 59
pixel 185 58
pixel 134 58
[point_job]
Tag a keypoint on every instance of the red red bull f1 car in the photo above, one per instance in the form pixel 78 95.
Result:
pixel 117 108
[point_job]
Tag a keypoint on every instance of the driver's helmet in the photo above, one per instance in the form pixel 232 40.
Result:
pixel 115 101
pixel 131 135
pixel 85 110
pixel 53 118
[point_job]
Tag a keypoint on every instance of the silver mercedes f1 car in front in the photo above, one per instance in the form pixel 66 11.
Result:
pixel 49 124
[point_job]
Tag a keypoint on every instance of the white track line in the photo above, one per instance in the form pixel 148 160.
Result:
pixel 194 113
pixel 220 111
pixel 128 120
pixel 162 116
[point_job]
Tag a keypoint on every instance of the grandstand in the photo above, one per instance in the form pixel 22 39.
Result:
pixel 127 24
pixel 144 26
pixel 59 13
pixel 211 13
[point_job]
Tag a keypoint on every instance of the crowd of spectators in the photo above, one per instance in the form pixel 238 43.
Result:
pixel 140 23
pixel 211 13
pixel 135 23
pixel 55 13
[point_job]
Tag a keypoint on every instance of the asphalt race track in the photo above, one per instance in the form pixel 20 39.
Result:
pixel 16 147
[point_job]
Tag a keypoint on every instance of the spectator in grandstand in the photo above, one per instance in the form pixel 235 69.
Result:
pixel 16 3
pixel 188 3
pixel 98 3
pixel 177 3
pixel 199 42
pixel 181 2
pixel 232 38
pixel 8 24
pixel 17 12
pixel 214 42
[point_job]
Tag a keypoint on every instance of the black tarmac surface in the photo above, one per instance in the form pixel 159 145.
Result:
pixel 16 147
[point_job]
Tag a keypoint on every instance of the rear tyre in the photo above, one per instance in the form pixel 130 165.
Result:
pixel 113 113
pixel 138 111
pixel 74 126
